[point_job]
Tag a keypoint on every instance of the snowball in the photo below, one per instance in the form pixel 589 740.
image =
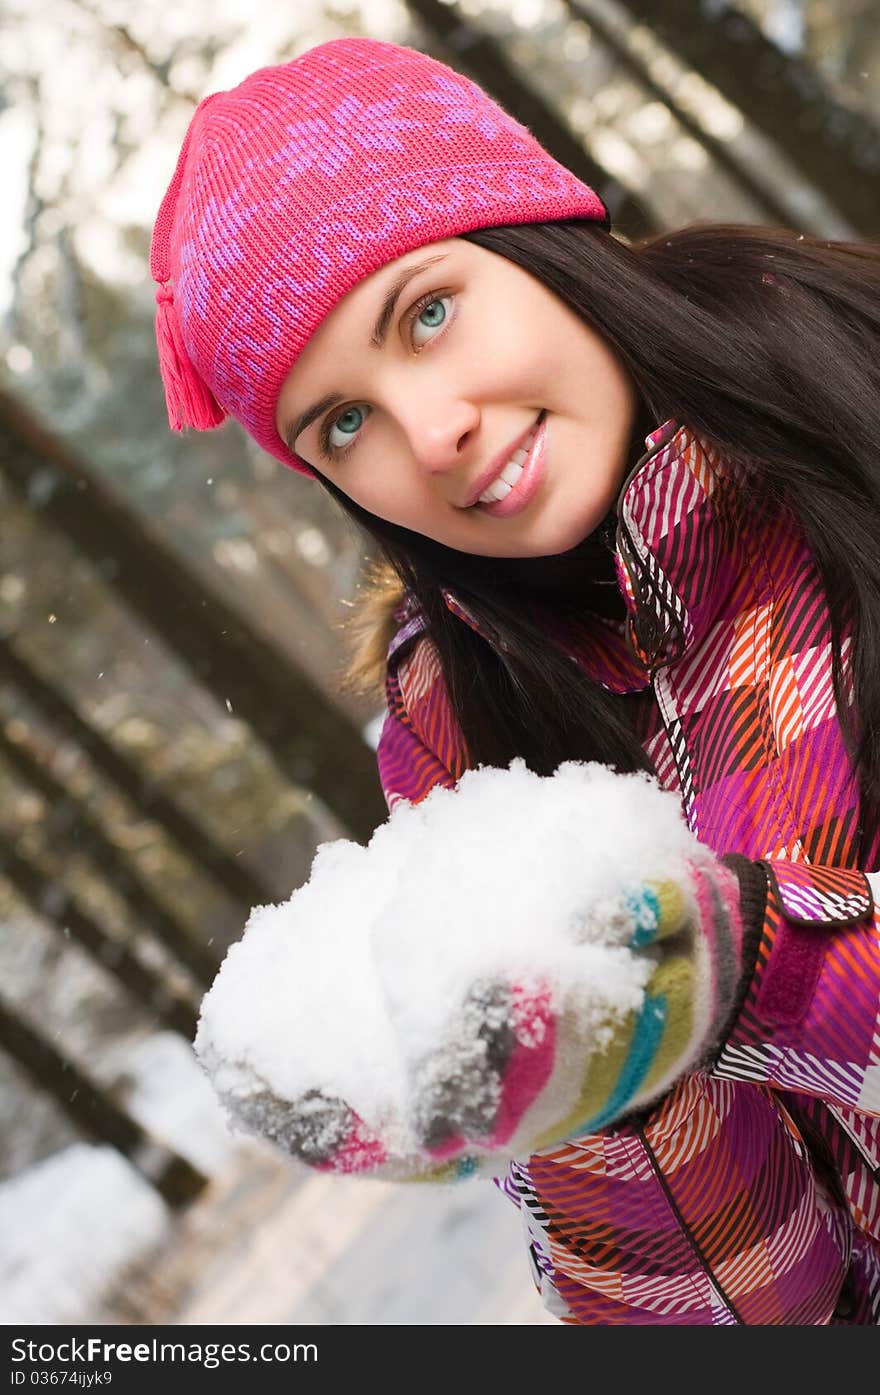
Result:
pixel 511 877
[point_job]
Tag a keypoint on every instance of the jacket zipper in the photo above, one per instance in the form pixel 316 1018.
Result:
pixel 685 1230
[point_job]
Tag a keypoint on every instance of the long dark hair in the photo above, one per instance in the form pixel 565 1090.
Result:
pixel 760 340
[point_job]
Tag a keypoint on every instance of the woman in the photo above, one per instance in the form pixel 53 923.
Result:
pixel 658 462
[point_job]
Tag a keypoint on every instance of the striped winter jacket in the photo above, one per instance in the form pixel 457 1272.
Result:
pixel 751 1193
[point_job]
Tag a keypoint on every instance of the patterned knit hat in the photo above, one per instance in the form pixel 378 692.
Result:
pixel 298 183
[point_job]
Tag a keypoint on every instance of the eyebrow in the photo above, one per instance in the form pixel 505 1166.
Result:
pixel 377 339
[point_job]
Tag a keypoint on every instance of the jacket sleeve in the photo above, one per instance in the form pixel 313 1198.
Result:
pixel 809 1019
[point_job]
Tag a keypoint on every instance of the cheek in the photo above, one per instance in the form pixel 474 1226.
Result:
pixel 387 492
pixel 509 365
pixel 536 351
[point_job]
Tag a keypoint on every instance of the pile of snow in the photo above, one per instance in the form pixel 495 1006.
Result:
pixel 347 986
pixel 70 1224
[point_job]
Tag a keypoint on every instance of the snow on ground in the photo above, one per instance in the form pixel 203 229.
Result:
pixel 160 1082
pixel 74 1221
pixel 70 1223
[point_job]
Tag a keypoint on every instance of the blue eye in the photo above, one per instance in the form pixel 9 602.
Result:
pixel 432 316
pixel 347 424
pixel 428 316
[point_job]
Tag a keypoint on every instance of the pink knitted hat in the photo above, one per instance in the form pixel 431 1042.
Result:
pixel 298 183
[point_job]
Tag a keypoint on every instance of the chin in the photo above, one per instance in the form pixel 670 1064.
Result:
pixel 553 542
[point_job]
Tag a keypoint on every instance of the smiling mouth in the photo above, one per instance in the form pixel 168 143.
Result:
pixel 514 488
pixel 512 472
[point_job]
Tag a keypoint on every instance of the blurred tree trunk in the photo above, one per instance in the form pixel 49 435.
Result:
pixel 613 33
pixel 72 830
pixel 92 1109
pixel 308 736
pixel 837 149
pixel 43 891
pixel 227 872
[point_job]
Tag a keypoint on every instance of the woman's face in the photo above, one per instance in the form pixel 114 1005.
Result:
pixel 452 377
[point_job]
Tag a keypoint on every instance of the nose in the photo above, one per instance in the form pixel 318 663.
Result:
pixel 440 432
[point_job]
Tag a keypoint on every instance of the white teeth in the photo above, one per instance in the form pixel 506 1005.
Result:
pixel 509 475
pixel 498 490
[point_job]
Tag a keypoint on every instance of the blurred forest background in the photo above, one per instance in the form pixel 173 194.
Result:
pixel 175 737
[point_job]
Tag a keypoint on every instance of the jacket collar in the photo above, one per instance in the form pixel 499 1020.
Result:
pixel 681 559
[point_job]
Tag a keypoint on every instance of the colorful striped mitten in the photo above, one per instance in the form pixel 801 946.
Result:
pixel 559 1061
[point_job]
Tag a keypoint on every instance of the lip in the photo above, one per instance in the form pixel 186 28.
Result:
pixel 492 471
pixel 523 491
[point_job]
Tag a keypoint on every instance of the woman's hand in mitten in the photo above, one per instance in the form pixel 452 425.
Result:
pixel 504 965
pixel 320 1130
pixel 525 1063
